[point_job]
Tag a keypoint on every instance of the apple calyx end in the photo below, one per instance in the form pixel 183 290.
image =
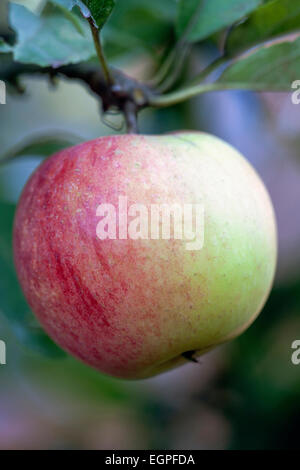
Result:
pixel 189 356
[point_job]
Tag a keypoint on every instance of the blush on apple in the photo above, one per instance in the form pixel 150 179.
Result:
pixel 129 307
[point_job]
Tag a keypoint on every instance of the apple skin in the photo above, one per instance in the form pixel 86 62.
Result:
pixel 131 308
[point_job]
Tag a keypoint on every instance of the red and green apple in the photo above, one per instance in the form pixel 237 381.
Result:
pixel 133 308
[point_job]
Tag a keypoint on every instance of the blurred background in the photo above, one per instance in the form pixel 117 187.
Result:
pixel 243 395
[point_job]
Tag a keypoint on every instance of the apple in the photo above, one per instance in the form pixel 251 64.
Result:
pixel 126 303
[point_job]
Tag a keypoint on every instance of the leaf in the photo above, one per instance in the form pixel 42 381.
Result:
pixel 273 19
pixel 100 10
pixel 12 302
pixel 4 47
pixel 139 25
pixel 50 39
pixel 68 14
pixel 272 67
pixel 39 145
pixel 205 17
pixel 135 26
pixel 70 4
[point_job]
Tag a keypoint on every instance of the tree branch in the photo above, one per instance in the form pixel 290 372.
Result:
pixel 116 95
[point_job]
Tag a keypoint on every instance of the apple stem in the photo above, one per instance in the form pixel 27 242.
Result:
pixel 130 113
pixel 98 46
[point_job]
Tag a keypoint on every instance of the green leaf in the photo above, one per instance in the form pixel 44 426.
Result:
pixel 134 26
pixel 272 67
pixel 12 302
pixel 39 145
pixel 69 4
pixel 68 14
pixel 201 18
pixel 139 25
pixel 50 39
pixel 100 10
pixel 4 47
pixel 273 19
